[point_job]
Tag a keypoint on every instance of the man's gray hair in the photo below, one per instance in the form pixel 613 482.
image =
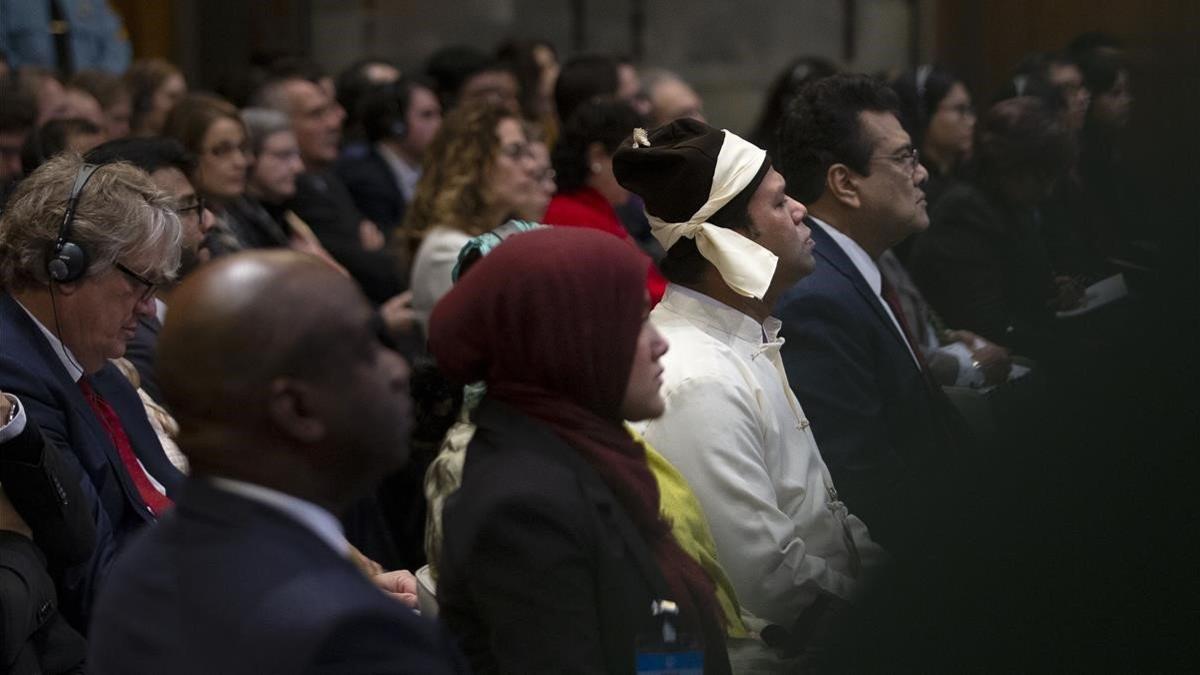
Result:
pixel 262 123
pixel 121 215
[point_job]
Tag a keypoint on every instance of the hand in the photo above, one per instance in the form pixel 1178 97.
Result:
pixel 370 236
pixel 994 361
pixel 362 562
pixel 398 315
pixel 401 585
pixel 12 521
pixel 5 408
pixel 1069 294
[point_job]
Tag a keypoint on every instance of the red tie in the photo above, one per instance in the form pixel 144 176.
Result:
pixel 893 300
pixel 155 500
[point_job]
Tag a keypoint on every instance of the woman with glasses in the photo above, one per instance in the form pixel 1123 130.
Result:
pixel 936 111
pixel 479 172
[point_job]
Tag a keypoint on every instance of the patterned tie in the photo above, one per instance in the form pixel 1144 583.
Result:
pixel 893 300
pixel 156 501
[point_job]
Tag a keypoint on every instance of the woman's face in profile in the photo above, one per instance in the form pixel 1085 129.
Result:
pixel 642 398
pixel 511 180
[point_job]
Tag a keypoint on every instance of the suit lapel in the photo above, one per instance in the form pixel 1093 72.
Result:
pixel 115 389
pixel 832 254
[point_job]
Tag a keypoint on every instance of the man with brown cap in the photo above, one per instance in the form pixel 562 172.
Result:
pixel 735 242
pixel 250 572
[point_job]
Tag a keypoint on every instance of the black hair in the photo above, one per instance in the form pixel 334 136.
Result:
pixel 1018 137
pixel 822 128
pixel 18 110
pixel 51 139
pixel 920 92
pixel 608 123
pixel 1100 69
pixel 518 55
pixel 146 153
pixel 352 86
pixel 582 79
pixel 786 85
pixel 384 108
pixel 451 67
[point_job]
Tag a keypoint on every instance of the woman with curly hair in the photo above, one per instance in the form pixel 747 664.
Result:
pixel 478 173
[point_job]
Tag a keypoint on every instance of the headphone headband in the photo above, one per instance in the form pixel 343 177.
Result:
pixel 68 260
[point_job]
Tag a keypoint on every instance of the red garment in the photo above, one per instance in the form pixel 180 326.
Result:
pixel 586 207
pixel 155 500
pixel 550 320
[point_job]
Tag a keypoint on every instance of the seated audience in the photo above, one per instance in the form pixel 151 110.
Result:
pixel 588 193
pixel 399 121
pixel 983 263
pixel 18 120
pixel 353 84
pixel 70 134
pixel 480 173
pixel 887 432
pixel 535 63
pixel 112 239
pixel 556 495
pixel 155 87
pixel 735 242
pixel 44 87
pixel 251 573
pixel 322 200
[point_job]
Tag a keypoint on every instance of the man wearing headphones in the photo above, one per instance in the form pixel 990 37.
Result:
pixel 400 120
pixel 82 248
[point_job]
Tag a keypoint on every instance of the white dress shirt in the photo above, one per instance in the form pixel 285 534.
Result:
pixel 321 522
pixel 869 271
pixel 734 429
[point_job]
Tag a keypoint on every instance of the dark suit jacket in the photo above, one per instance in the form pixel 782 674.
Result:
pixel 373 186
pixel 140 352
pixel 984 266
pixel 880 427
pixel 323 202
pixel 30 369
pixel 227 585
pixel 34 636
pixel 542 571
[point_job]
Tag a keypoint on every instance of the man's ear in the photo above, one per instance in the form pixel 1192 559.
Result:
pixel 843 185
pixel 295 411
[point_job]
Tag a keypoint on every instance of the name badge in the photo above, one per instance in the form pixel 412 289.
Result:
pixel 661 662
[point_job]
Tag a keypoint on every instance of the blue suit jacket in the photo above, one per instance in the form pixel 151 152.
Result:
pixel 881 428
pixel 372 184
pixel 227 585
pixel 30 368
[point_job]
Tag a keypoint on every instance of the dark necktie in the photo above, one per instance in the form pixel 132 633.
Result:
pixel 155 500
pixel 893 300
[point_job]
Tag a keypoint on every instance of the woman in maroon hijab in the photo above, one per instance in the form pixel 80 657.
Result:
pixel 554 553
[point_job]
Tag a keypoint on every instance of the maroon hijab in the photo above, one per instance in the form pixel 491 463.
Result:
pixel 550 320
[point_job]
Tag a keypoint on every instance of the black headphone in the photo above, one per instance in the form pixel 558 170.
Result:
pixel 68 261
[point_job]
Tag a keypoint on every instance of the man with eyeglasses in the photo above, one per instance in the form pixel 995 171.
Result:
pixel 169 166
pixel 885 428
pixel 82 248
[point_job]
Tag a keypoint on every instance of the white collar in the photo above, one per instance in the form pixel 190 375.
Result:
pixel 321 522
pixel 60 350
pixel 719 315
pixel 160 310
pixel 861 259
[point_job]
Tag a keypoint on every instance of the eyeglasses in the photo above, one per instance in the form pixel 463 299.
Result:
pixel 150 285
pixel 198 207
pixel 517 151
pixel 909 159
pixel 962 109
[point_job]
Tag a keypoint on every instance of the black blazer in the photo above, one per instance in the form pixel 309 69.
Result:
pixel 31 370
pixel 984 266
pixel 542 571
pixel 226 585
pixel 881 427
pixel 35 637
pixel 373 186
pixel 323 202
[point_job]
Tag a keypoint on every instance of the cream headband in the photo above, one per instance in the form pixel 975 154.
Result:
pixel 744 265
